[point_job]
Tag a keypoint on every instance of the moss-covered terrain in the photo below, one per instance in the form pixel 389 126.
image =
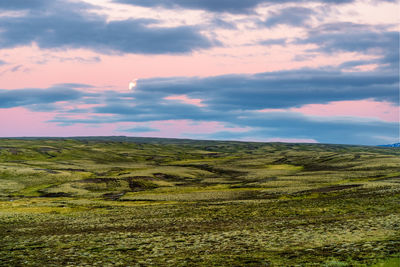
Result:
pixel 137 202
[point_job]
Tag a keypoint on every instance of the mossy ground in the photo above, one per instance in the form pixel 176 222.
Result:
pixel 123 202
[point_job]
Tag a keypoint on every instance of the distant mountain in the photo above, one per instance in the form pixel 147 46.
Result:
pixel 392 145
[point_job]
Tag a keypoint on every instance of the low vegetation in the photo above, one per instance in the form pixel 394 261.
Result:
pixel 136 202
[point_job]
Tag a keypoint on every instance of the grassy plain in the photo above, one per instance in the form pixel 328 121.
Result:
pixel 137 202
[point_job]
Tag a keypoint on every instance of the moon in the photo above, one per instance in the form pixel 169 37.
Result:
pixel 132 84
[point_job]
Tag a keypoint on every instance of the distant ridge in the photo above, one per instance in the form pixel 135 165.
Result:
pixel 392 145
pixel 176 141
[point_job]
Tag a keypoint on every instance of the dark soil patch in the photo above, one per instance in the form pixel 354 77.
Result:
pixel 7 147
pixel 281 161
pixel 327 158
pixel 178 181
pixel 47 170
pixel 49 149
pixel 113 196
pixel 165 176
pixel 330 188
pixel 57 194
pixel 218 171
pixel 148 178
pixel 255 180
pixel 390 179
pixel 322 167
pixel 139 183
pixel 13 151
pixel 98 180
pixel 137 200
pixel 72 170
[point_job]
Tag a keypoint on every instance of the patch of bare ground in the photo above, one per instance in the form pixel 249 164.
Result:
pixel 98 180
pixel 332 188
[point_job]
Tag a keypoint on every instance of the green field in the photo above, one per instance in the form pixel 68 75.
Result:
pixel 137 202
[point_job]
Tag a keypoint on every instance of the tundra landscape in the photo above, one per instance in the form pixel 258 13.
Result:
pixel 117 201
pixel 199 133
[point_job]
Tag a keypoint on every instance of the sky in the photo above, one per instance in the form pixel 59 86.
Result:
pixel 320 71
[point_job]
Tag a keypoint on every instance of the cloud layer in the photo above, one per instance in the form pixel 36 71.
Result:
pixel 66 25
pixel 37 97
pixel 230 6
pixel 236 101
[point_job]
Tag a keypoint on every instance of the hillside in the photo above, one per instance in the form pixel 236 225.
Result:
pixel 124 201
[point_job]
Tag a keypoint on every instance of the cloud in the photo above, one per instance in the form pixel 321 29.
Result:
pixel 293 16
pixel 229 98
pixel 209 5
pixel 39 98
pixel 268 42
pixel 292 125
pixel 94 59
pixel 235 100
pixel 285 125
pixel 66 25
pixel 335 37
pixel 16 68
pixel 22 4
pixel 221 23
pixel 350 37
pixel 229 6
pixel 223 97
pixel 282 89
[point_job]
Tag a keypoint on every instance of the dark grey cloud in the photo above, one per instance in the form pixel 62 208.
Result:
pixel 351 37
pixel 66 25
pixel 283 89
pixel 22 4
pixel 293 16
pixel 223 24
pixel 39 98
pixel 230 6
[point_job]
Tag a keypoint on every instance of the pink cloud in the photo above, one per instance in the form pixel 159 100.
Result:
pixel 185 99
pixel 367 67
